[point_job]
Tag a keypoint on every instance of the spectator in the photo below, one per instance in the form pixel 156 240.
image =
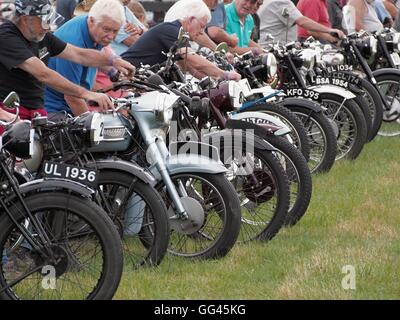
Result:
pixel 193 18
pixel 66 8
pixel 139 11
pixel 129 32
pixel 317 11
pixel 7 10
pixel 383 15
pixel 255 35
pixel 391 8
pixel 92 31
pixel 284 29
pixel 366 17
pixel 335 13
pixel 241 23
pixel 29 46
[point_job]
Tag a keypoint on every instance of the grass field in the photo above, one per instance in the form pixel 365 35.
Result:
pixel 353 219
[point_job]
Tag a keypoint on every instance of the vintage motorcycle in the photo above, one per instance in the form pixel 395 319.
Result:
pixel 52 232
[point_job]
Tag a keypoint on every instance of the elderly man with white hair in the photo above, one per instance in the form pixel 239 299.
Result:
pixel 93 31
pixel 192 16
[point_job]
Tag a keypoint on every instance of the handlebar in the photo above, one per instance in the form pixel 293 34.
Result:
pixel 6 124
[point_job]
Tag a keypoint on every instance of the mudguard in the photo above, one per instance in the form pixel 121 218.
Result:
pixel 57 184
pixel 239 136
pixel 125 166
pixel 304 103
pixel 379 72
pixel 193 163
pixel 261 118
pixel 335 90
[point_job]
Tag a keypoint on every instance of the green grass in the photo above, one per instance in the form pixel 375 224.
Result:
pixel 353 219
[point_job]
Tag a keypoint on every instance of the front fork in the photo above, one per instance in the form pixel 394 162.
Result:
pixel 158 152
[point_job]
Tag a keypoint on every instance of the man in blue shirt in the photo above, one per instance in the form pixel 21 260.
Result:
pixel 94 31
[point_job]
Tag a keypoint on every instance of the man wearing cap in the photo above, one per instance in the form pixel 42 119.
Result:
pixel 26 46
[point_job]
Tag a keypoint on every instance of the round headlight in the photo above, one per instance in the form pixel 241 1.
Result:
pixel 309 58
pixel 165 107
pixel 93 127
pixel 396 41
pixel 18 140
pixel 271 64
pixel 373 42
pixel 333 59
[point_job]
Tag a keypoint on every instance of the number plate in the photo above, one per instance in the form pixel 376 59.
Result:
pixel 306 93
pixel 63 171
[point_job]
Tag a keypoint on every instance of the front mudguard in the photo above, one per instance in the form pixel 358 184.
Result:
pixel 303 103
pixel 124 166
pixel 258 118
pixel 386 71
pixel 50 184
pixel 240 132
pixel 346 94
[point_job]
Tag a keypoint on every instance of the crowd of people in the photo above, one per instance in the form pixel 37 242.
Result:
pixel 56 54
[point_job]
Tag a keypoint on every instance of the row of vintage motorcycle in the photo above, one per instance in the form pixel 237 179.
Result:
pixel 187 167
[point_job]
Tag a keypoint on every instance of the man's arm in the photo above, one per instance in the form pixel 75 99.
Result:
pixel 40 71
pixel 312 26
pixel 77 105
pixel 200 64
pixel 204 40
pixel 199 67
pixel 219 35
pixel 95 58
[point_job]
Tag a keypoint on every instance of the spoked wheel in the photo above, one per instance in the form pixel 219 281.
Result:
pixel 350 125
pixel 263 190
pixel 299 177
pixel 140 214
pixel 322 139
pixel 375 106
pixel 391 117
pixel 213 210
pixel 82 258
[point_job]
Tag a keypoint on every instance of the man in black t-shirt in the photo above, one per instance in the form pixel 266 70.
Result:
pixel 152 46
pixel 25 47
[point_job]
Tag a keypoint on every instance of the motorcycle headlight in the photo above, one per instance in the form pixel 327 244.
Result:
pixel 309 58
pixel 333 59
pixel 373 42
pixel 396 42
pixel 165 107
pixel 93 127
pixel 270 61
pixel 18 140
pixel 236 95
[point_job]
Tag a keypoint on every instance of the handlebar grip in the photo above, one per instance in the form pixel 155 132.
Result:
pixel 334 34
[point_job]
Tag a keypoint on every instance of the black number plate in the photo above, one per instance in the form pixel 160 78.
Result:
pixel 63 171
